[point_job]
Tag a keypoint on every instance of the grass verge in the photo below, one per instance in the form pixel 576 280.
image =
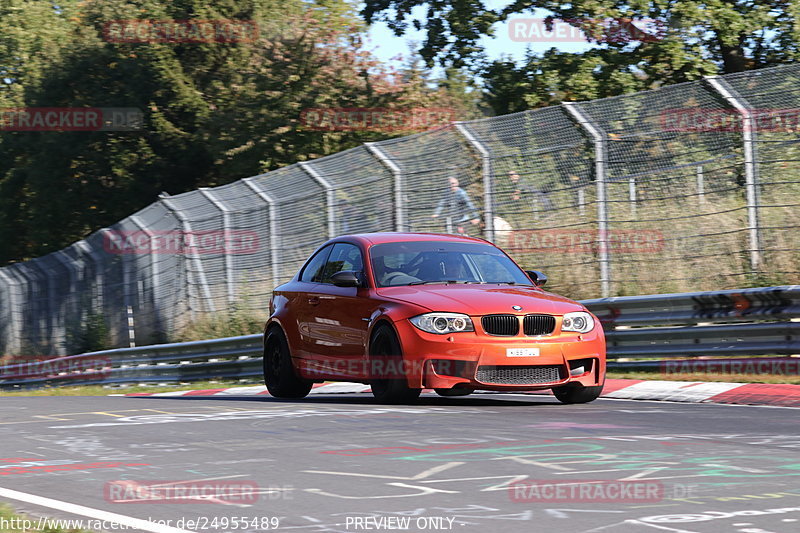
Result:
pixel 12 522
pixel 99 390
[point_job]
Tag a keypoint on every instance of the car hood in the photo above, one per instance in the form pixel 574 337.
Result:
pixel 482 299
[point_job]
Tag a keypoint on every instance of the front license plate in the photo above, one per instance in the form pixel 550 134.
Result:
pixel 522 352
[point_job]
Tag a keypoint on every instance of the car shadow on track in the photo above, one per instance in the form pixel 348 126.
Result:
pixel 364 399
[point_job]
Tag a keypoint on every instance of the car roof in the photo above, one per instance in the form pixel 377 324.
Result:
pixel 384 237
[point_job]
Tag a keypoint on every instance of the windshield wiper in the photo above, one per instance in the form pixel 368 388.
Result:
pixel 430 281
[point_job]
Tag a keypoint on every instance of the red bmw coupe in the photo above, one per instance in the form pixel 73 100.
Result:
pixel 407 311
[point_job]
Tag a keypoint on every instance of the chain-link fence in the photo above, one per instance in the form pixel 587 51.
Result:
pixel 689 187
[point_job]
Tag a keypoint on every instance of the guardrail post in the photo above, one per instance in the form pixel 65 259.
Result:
pixel 486 171
pixel 226 228
pixel 274 238
pixel 330 195
pixel 14 341
pixel 744 109
pixel 397 173
pixel 201 273
pixel 600 151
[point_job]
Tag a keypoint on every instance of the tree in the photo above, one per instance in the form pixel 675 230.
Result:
pixel 213 111
pixel 693 38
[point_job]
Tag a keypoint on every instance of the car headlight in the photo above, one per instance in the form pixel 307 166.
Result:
pixel 579 321
pixel 443 323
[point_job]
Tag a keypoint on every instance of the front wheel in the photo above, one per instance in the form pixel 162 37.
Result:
pixel 389 383
pixel 577 393
pixel 279 375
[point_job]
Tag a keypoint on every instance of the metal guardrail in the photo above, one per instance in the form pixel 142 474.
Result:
pixel 764 321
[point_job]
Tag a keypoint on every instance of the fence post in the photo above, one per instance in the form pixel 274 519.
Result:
pixel 486 171
pixel 14 345
pixel 97 284
pixel 397 173
pixel 330 195
pixel 226 229
pixel 198 263
pixel 599 138
pixel 274 242
pixel 744 109
pixel 701 187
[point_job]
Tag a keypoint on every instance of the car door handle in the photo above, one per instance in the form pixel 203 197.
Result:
pixel 313 300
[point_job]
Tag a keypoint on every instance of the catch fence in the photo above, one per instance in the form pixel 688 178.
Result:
pixel 689 187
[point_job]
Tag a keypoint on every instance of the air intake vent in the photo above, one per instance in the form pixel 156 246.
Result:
pixel 539 324
pixel 518 375
pixel 504 325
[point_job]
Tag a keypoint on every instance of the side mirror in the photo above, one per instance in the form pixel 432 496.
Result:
pixel 538 277
pixel 347 278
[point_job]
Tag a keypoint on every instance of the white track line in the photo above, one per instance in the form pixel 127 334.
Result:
pixel 131 522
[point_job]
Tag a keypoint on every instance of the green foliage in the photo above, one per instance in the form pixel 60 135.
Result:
pixel 90 335
pixel 238 320
pixel 694 38
pixel 213 112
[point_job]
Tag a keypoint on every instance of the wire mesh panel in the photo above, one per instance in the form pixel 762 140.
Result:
pixel 60 283
pixel 164 306
pixel 36 319
pixel 17 342
pixel 363 191
pixel 8 306
pixel 302 215
pixel 774 98
pixel 665 234
pixel 543 194
pixel 441 181
pixel 204 245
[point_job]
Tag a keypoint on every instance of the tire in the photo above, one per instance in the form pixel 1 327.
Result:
pixel 455 391
pixel 577 393
pixel 385 359
pixel 279 375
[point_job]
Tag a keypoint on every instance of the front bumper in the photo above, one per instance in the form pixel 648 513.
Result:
pixel 476 360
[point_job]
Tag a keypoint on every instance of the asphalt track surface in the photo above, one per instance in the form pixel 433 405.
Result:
pixel 342 463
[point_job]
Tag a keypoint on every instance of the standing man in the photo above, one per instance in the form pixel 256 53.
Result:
pixel 457 206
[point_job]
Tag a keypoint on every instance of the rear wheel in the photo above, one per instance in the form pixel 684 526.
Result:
pixel 390 384
pixel 279 375
pixel 576 393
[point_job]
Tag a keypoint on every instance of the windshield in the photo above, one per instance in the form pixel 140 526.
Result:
pixel 416 263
